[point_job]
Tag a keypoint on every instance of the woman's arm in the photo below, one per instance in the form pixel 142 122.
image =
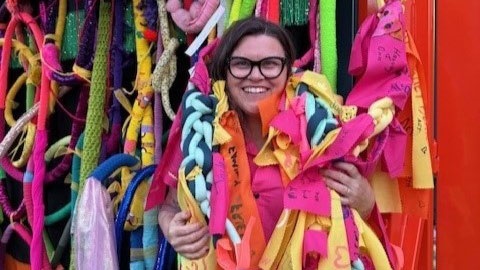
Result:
pixel 188 239
pixel 353 188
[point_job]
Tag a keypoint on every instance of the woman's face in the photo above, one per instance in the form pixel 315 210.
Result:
pixel 246 93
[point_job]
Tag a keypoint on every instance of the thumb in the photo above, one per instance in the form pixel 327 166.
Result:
pixel 182 217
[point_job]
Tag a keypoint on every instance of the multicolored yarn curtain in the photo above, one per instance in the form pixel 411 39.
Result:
pixel 81 83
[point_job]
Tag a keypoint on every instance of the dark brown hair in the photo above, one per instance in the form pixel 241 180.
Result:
pixel 251 26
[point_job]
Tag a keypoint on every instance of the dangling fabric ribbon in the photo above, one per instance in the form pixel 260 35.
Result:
pixel 94 221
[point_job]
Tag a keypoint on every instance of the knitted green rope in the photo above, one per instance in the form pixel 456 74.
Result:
pixel 93 126
pixel 95 114
pixel 328 41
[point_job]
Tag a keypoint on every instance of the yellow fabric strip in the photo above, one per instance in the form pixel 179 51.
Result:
pixel 421 162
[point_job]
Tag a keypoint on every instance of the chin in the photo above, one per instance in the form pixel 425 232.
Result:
pixel 251 112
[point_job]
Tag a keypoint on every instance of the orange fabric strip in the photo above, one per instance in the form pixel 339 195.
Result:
pixel 242 205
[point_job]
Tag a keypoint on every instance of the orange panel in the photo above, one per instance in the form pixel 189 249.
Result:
pixel 458 189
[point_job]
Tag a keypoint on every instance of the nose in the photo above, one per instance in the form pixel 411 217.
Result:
pixel 256 74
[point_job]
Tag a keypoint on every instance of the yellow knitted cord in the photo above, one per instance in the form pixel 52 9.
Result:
pixel 382 111
pixel 58 148
pixel 142 107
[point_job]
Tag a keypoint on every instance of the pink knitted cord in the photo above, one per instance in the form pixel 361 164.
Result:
pixel 50 56
pixel 38 252
pixel 20 230
pixel 258 8
pixel 38 248
pixel 4 65
pixel 193 20
pixel 27 190
pixel 312 27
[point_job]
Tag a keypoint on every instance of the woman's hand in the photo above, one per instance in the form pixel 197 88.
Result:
pixel 191 240
pixel 353 188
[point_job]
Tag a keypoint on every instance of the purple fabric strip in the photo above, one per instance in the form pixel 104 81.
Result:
pixel 48 14
pixel 7 208
pixel 113 139
pixel 86 44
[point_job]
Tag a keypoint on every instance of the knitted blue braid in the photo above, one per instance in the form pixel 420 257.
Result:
pixel 320 119
pixel 196 143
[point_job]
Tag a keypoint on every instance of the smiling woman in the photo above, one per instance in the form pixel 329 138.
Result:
pixel 234 173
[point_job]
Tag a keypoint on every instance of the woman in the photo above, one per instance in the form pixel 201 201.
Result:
pixel 255 59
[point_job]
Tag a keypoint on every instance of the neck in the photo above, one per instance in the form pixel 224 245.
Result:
pixel 252 126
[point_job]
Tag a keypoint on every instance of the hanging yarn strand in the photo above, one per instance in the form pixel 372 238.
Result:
pixel 166 68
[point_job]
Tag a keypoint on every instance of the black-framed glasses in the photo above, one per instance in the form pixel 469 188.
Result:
pixel 270 67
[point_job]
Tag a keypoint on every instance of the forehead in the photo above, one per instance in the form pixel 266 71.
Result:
pixel 258 47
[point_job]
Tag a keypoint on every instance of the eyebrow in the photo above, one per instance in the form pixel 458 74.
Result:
pixel 235 56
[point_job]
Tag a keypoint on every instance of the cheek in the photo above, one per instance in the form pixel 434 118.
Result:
pixel 280 82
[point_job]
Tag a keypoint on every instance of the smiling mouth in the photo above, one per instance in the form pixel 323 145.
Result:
pixel 255 90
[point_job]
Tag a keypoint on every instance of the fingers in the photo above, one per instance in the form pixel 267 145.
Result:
pixel 353 188
pixel 189 239
pixel 338 176
pixel 181 217
pixel 197 248
pixel 348 168
pixel 338 186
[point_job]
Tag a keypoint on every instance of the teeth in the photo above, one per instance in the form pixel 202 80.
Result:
pixel 255 90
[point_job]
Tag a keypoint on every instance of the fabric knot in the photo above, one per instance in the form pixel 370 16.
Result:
pixel 382 111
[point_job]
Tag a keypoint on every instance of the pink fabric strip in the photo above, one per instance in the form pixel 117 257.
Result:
pixel 382 56
pixel 307 193
pixel 201 78
pixel 351 134
pixel 379 60
pixel 316 242
pixel 352 233
pixel 218 196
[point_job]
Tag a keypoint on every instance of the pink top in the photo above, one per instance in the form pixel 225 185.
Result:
pixel 267 188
